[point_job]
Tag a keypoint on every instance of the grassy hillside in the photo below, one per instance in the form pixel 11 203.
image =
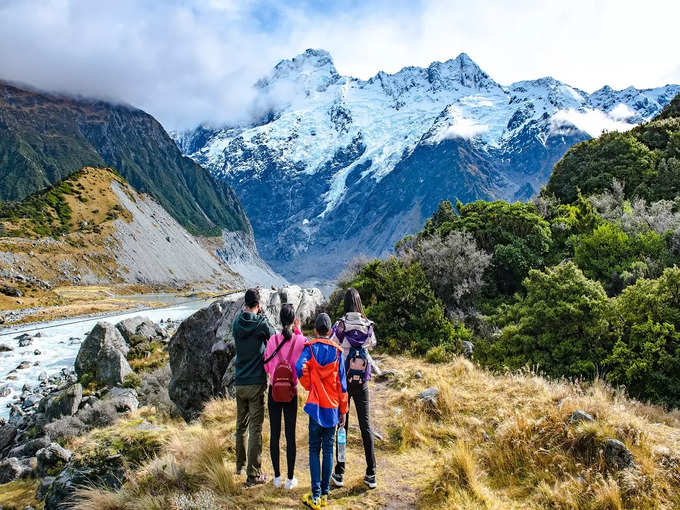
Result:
pixel 489 442
pixel 44 138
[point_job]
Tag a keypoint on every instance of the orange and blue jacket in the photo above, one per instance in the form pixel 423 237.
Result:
pixel 321 371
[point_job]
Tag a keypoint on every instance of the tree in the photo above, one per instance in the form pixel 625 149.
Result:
pixel 408 317
pixel 561 325
pixel 454 267
pixel 646 357
pixel 515 234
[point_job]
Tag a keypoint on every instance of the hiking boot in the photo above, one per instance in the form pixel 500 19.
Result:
pixel 291 483
pixel 257 480
pixel 370 481
pixel 324 500
pixel 311 502
pixel 239 470
pixel 278 482
pixel 336 480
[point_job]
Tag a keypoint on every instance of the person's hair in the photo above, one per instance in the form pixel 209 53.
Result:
pixel 287 316
pixel 322 324
pixel 252 298
pixel 353 301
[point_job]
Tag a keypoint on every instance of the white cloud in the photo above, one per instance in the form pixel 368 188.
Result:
pixel 593 122
pixel 187 61
pixel 621 112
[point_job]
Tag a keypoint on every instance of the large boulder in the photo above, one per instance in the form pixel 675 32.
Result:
pixel 201 350
pixel 61 491
pixel 64 403
pixel 7 434
pixel 617 455
pixel 141 326
pixel 102 354
pixel 30 447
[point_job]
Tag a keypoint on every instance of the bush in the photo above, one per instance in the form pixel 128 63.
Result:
pixel 454 267
pixel 561 326
pixel 517 236
pixel 437 354
pixel 132 380
pixel 407 314
pixel 646 357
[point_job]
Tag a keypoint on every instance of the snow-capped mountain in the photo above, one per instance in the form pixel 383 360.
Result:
pixel 334 166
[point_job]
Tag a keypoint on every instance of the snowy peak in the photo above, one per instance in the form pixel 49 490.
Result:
pixel 459 71
pixel 313 70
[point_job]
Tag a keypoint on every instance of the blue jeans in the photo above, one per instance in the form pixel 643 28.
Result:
pixel 320 439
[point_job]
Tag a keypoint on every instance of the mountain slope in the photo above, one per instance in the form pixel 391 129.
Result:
pixel 329 156
pixel 44 138
pixel 94 228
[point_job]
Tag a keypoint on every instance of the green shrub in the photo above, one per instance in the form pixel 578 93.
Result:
pixel 132 380
pixel 406 312
pixel 561 326
pixel 437 354
pixel 646 357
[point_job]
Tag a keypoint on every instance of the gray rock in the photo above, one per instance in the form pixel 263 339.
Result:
pixel 123 399
pixel 30 447
pixel 468 349
pixel 101 341
pixel 617 455
pixel 64 403
pixel 24 365
pixel 385 375
pixel 429 396
pixel 105 475
pixel 43 487
pixel 12 469
pixel 9 290
pixel 7 434
pixel 111 366
pixel 5 390
pixel 228 379
pixel 579 416
pixel 418 375
pixel 141 326
pixel 6 348
pixel 25 341
pixel 51 459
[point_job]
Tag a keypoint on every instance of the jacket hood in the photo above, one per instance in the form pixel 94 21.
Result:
pixel 249 322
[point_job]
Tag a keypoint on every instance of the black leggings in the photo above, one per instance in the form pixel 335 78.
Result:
pixel 289 411
pixel 361 401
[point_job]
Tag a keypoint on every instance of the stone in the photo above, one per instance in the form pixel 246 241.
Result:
pixel 9 290
pixel 578 416
pixel 429 396
pixel 385 375
pixel 418 375
pixel 64 403
pixel 30 447
pixel 123 399
pixel 37 352
pixel 43 376
pixel 5 390
pixel 51 459
pixel 12 469
pixel 617 455
pixel 24 365
pixel 26 341
pixel 103 337
pixel 141 326
pixel 111 366
pixel 43 487
pixel 468 349
pixel 7 434
pixel 109 475
pixel 228 379
pixel 6 348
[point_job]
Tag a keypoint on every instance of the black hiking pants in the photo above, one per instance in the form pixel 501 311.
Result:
pixel 361 402
pixel 289 412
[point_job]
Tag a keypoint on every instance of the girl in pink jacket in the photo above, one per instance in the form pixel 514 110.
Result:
pixel 289 343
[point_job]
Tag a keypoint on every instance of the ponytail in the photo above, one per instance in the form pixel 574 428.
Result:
pixel 287 316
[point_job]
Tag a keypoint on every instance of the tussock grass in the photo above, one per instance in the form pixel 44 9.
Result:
pixel 493 441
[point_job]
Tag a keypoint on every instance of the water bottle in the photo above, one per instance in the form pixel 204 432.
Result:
pixel 342 444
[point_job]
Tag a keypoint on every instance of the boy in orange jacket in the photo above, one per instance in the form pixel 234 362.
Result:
pixel 321 371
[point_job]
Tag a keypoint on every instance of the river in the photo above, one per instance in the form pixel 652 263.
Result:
pixel 58 343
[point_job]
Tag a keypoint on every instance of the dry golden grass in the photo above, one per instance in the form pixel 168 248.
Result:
pixel 491 442
pixel 19 494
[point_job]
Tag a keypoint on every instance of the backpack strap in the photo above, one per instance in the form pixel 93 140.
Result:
pixel 276 351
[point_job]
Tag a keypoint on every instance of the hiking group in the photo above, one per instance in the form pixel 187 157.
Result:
pixel 334 367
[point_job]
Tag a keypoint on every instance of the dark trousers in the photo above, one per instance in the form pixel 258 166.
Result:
pixel 361 402
pixel 320 441
pixel 250 416
pixel 289 412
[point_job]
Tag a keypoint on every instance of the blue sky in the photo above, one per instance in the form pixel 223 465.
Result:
pixel 195 60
